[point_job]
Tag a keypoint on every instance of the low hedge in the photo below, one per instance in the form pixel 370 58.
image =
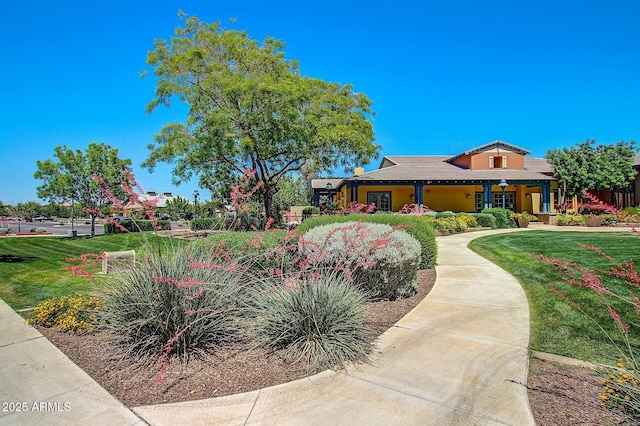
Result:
pixel 486 220
pixel 570 220
pixel 503 217
pixel 416 226
pixel 210 223
pixel 136 226
pixel 445 214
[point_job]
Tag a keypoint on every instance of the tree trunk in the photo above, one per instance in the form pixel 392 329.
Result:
pixel 267 195
pixel 93 225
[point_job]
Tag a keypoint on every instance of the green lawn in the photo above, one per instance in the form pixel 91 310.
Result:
pixel 31 268
pixel 555 326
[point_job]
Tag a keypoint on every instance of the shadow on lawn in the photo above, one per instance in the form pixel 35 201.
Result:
pixel 12 258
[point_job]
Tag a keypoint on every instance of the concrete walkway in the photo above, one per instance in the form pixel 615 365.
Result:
pixel 39 385
pixel 459 358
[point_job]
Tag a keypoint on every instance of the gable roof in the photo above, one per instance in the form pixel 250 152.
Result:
pixel 495 144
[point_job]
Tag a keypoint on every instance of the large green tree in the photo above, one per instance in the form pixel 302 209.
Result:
pixel 595 167
pixel 249 108
pixel 178 208
pixel 75 176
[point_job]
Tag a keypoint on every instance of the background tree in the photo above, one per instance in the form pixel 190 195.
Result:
pixel 251 109
pixel 294 191
pixel 588 166
pixel 178 208
pixel 71 177
pixel 211 208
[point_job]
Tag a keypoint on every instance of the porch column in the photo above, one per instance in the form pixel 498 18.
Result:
pixel 546 197
pixel 488 196
pixel 354 192
pixel 418 198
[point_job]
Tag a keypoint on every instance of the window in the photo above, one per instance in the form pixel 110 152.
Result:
pixel 509 200
pixel 479 201
pixel 381 199
pixel 499 162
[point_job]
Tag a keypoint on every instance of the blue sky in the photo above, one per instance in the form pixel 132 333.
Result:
pixel 444 76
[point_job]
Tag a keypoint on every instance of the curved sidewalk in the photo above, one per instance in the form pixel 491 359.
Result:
pixel 39 385
pixel 459 358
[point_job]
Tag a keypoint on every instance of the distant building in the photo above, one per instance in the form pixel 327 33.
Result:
pixel 151 198
pixel 482 177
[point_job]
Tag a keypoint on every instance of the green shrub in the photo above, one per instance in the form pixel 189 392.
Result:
pixel 136 226
pixel 444 214
pixel 310 210
pixel 210 223
pixel 320 321
pixel 450 223
pixel 570 220
pixel 4 230
pixel 467 219
pixel 74 313
pixel 486 220
pixel 382 261
pixel 609 219
pixel 503 219
pixel 416 226
pixel 184 302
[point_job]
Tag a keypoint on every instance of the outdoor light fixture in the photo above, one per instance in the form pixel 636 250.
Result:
pixel 527 196
pixel 412 196
pixel 503 184
pixel 468 196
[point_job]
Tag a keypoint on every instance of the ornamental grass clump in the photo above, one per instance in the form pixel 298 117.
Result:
pixel 318 320
pixel 379 259
pixel 182 302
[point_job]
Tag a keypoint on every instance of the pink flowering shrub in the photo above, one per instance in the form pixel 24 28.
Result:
pixel 381 260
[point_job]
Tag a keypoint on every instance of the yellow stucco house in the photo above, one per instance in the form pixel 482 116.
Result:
pixel 497 174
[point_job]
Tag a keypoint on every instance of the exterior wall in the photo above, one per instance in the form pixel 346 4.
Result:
pixel 481 161
pixel 464 162
pixel 400 195
pixel 453 198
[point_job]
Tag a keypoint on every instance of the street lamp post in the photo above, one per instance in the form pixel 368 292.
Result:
pixel 195 210
pixel 503 184
pixel 329 188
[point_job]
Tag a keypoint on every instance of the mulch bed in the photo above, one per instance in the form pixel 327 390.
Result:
pixel 234 369
pixel 558 395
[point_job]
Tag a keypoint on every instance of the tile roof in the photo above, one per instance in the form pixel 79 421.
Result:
pixel 322 183
pixel 436 168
